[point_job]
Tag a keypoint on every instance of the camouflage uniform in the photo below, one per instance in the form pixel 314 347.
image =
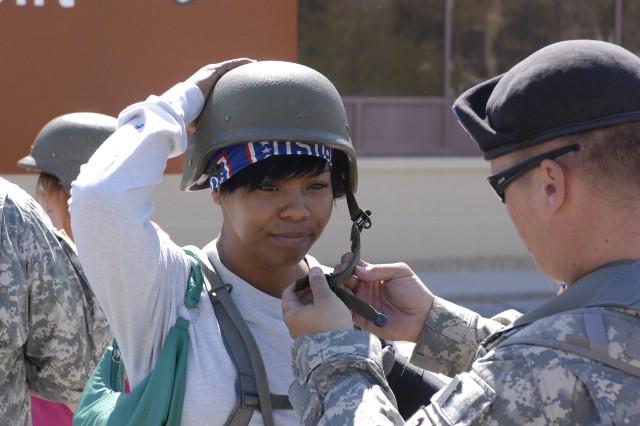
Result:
pixel 574 366
pixel 53 331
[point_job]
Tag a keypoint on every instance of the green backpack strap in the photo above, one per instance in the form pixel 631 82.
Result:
pixel 159 398
pixel 252 385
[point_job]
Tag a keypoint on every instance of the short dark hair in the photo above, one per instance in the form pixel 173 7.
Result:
pixel 609 160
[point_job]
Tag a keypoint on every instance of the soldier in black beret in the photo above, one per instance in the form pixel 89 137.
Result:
pixel 561 130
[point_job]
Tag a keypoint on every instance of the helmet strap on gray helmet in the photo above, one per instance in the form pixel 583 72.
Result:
pixel 361 220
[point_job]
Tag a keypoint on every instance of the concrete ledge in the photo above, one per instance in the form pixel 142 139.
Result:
pixel 424 210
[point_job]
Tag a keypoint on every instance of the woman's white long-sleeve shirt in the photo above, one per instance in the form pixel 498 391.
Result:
pixel 140 279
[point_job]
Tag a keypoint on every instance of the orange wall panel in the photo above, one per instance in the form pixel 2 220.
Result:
pixel 85 55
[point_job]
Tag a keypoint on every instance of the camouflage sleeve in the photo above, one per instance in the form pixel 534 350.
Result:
pixel 94 326
pixel 339 380
pixel 450 337
pixel 45 345
pixel 516 385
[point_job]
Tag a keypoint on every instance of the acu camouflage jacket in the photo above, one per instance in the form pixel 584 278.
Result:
pixel 52 331
pixel 576 366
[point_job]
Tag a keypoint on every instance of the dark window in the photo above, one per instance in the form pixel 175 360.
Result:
pixel 374 47
pixel 489 37
pixel 630 33
pixel 392 59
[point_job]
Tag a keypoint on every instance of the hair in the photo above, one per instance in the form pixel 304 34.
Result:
pixel 51 195
pixel 281 168
pixel 608 160
pixel 49 183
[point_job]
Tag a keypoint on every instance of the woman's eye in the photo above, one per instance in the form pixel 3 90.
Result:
pixel 267 187
pixel 318 185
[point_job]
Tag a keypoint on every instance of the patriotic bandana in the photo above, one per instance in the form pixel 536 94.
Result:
pixel 231 159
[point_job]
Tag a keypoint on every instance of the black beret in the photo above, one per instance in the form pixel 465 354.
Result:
pixel 564 88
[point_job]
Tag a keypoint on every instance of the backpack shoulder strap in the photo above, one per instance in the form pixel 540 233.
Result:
pixel 252 385
pixel 593 343
pixel 246 383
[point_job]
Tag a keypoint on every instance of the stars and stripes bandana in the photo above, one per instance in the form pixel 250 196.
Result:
pixel 231 159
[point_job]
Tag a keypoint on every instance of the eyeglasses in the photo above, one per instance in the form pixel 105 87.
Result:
pixel 501 180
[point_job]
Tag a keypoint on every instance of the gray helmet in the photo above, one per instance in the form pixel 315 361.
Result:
pixel 270 100
pixel 67 142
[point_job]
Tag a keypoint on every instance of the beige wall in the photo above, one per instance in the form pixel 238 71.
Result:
pixel 424 209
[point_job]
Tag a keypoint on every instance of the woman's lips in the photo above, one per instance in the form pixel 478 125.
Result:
pixel 292 239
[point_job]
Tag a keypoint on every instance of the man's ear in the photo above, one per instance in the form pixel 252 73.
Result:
pixel 554 185
pixel 215 196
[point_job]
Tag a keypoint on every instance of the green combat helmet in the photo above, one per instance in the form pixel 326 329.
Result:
pixel 274 100
pixel 270 100
pixel 67 142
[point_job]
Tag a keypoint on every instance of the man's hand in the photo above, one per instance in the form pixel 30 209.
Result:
pixel 397 292
pixel 317 314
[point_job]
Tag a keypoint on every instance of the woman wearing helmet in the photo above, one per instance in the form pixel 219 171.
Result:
pixel 272 143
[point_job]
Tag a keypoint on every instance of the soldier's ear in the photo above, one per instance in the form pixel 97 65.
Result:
pixel 554 185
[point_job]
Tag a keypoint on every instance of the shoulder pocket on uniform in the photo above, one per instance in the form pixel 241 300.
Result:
pixel 464 400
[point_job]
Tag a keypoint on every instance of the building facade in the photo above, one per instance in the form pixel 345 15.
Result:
pixel 398 64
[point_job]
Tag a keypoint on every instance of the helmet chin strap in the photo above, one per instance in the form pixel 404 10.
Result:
pixel 361 220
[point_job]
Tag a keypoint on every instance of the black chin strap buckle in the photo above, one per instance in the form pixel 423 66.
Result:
pixel 363 220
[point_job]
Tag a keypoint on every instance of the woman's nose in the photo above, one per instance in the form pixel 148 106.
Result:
pixel 294 206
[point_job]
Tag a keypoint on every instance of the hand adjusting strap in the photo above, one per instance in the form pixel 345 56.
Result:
pixel 361 221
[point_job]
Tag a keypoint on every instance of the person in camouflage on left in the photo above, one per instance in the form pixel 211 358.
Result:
pixel 61 147
pixel 53 331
